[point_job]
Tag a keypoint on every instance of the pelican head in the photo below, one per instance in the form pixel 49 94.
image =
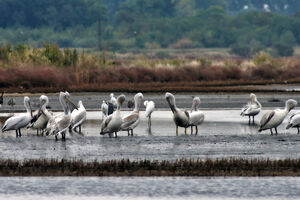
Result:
pixel 290 104
pixel 138 100
pixel 80 104
pixel 44 100
pixel 145 103
pixel 253 97
pixel 171 100
pixel 196 103
pixel 121 100
pixel 111 95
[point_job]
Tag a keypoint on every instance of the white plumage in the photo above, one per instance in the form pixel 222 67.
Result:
pixel 180 118
pixel 252 108
pixel 112 123
pixel 196 117
pixel 113 100
pixel 273 119
pixel 78 116
pixel 132 120
pixel 294 121
pixel 19 121
pixel 150 107
pixel 104 109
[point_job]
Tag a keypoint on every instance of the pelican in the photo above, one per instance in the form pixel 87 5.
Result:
pixel 252 108
pixel 41 118
pixel 19 121
pixel 104 109
pixel 294 121
pixel 273 119
pixel 113 100
pixel 78 116
pixel 112 123
pixel 150 106
pixel 196 116
pixel 132 120
pixel 181 118
pixel 59 123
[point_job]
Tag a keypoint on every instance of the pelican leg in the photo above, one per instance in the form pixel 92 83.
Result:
pixel 249 120
pixel 37 132
pixel 298 129
pixel 80 129
pixel 271 131
pixel 196 130
pixel 276 131
pixel 184 131
pixel 191 130
pixel 20 133
pixel 131 132
pixel 116 135
pixel 128 132
pixel 150 121
pixel 63 136
pixel 17 135
pixel 56 138
pixel 176 130
pixel 253 120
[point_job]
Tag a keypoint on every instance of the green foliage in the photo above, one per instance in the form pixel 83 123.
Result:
pixel 241 50
pixel 284 49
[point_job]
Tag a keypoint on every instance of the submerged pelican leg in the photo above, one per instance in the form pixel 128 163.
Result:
pixel 176 130
pixel 196 130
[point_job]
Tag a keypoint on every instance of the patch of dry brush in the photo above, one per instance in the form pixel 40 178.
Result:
pixel 221 167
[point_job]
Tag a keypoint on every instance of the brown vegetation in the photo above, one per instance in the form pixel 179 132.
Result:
pixel 221 167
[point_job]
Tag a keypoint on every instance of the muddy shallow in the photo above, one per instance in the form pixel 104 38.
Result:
pixel 223 134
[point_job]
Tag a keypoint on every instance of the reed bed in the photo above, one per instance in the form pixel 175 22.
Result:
pixel 125 167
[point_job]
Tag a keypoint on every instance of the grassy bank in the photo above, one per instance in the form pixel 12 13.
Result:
pixel 221 167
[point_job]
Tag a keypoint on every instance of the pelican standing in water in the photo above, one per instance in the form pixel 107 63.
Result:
pixel 112 123
pixel 19 121
pixel 78 116
pixel 113 100
pixel 252 108
pixel 273 119
pixel 294 121
pixel 132 120
pixel 150 106
pixel 59 123
pixel 181 118
pixel 196 116
pixel 41 118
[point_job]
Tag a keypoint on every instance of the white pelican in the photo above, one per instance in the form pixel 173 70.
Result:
pixel 19 121
pixel 294 121
pixel 252 108
pixel 78 116
pixel 181 118
pixel 59 123
pixel 196 116
pixel 132 120
pixel 104 109
pixel 113 100
pixel 112 123
pixel 41 118
pixel 150 106
pixel 274 118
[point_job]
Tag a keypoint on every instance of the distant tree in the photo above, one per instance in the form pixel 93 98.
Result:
pixel 241 50
pixel 284 49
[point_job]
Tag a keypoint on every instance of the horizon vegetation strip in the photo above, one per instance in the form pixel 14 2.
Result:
pixel 125 167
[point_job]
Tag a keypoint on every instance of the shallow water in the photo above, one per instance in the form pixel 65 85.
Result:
pixel 148 188
pixel 223 134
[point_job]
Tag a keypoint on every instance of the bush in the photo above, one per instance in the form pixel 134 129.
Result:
pixel 183 44
pixel 283 49
pixel 241 50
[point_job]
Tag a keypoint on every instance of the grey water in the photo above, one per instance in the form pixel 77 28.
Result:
pixel 149 188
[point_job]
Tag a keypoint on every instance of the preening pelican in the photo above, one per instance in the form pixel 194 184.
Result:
pixel 19 121
pixel 181 118
pixel 150 106
pixel 132 120
pixel 294 121
pixel 252 108
pixel 112 123
pixel 104 109
pixel 41 118
pixel 113 100
pixel 59 123
pixel 78 116
pixel 273 119
pixel 196 116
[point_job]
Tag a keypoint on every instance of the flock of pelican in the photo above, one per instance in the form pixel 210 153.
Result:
pixel 45 122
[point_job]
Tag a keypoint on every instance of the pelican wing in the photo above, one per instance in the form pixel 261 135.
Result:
pixel 196 118
pixel 106 121
pixel 266 118
pixel 130 120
